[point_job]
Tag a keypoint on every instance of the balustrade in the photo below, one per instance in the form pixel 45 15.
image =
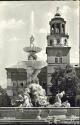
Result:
pixel 39 114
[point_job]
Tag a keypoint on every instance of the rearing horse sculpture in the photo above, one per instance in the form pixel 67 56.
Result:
pixel 58 101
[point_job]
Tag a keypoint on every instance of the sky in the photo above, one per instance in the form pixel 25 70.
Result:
pixel 20 19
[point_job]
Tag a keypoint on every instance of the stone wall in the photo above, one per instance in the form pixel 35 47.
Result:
pixel 13 114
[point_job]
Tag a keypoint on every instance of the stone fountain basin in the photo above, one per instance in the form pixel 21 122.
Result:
pixel 39 115
pixel 32 49
pixel 32 113
pixel 32 63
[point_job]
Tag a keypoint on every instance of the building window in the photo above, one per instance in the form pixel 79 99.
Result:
pixel 52 29
pixel 60 60
pixel 51 42
pixel 63 28
pixel 56 60
pixel 65 42
pixel 57 28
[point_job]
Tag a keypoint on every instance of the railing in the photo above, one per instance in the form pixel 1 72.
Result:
pixel 40 115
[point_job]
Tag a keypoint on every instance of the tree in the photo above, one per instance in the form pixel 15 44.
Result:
pixel 5 101
pixel 42 76
pixel 57 80
pixel 65 79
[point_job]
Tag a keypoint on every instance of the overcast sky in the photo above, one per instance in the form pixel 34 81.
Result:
pixel 16 26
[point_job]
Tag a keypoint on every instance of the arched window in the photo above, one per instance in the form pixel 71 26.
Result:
pixel 52 29
pixel 63 28
pixel 51 42
pixel 65 42
pixel 60 60
pixel 57 28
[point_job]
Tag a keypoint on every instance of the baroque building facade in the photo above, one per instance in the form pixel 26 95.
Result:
pixel 16 80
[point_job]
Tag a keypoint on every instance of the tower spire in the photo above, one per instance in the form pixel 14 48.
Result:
pixel 32 22
pixel 57 10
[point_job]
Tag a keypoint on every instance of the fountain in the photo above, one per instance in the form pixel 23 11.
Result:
pixel 32 22
pixel 32 95
pixel 32 65
pixel 40 111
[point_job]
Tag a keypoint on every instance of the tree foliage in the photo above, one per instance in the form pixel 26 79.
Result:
pixel 4 98
pixel 65 79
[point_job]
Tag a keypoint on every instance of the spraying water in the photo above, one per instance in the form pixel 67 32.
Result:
pixel 32 22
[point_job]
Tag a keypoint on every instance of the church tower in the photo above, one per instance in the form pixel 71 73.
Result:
pixel 57 49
